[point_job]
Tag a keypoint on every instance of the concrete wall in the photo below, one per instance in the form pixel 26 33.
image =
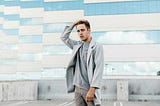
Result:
pixel 53 89
pixel 112 89
pixel 18 90
pixel 138 89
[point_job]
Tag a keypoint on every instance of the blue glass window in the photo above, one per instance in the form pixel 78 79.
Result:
pixel 12 17
pixel 65 5
pixel 128 37
pixel 31 21
pixel 11 2
pixel 7 77
pixel 1 14
pixel 30 57
pixel 53 73
pixel 35 75
pixel 30 39
pixel 130 7
pixel 8 62
pixel 56 49
pixel 55 27
pixel 9 47
pixel 31 4
pixel 131 68
pixel 9 32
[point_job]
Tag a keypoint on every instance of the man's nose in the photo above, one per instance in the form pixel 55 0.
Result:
pixel 80 33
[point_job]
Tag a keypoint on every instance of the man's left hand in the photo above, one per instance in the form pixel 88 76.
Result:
pixel 90 94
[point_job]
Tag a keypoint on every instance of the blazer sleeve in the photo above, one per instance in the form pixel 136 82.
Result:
pixel 99 67
pixel 65 38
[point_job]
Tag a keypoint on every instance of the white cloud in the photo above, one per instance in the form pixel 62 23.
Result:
pixel 124 38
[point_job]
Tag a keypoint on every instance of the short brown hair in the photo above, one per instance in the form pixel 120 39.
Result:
pixel 87 24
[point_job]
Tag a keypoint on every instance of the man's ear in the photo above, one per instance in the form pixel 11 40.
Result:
pixel 89 30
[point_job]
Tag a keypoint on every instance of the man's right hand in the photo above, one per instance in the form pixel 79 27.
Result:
pixel 73 24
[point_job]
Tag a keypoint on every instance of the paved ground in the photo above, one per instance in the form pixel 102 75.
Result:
pixel 71 103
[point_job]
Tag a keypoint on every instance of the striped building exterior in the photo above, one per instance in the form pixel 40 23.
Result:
pixel 30 45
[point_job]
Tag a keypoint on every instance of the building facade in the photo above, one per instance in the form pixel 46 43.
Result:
pixel 30 47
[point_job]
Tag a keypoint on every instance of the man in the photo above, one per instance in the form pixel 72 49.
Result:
pixel 85 70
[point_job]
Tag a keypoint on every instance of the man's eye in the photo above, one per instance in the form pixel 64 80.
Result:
pixel 78 30
pixel 82 29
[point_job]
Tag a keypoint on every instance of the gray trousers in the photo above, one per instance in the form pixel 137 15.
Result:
pixel 80 98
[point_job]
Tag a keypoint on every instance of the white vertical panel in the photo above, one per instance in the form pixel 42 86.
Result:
pixel 8 69
pixel 31 12
pixel 125 22
pixel 2 41
pixel 29 48
pixel 11 39
pixel 7 39
pixel 132 52
pixel 63 16
pixel 11 24
pixel 55 61
pixel 11 10
pixel 2 36
pixel 2 8
pixel 8 54
pixel 29 66
pixel 1 33
pixel 54 38
pixel 31 30
pixel 1 20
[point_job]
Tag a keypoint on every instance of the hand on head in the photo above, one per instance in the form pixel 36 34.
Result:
pixel 76 22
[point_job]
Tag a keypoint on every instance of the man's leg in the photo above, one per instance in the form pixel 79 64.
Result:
pixel 84 92
pixel 79 100
pixel 89 103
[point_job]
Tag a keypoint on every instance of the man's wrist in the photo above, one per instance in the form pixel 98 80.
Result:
pixel 73 24
pixel 92 88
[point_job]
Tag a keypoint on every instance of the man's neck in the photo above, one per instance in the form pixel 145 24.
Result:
pixel 89 39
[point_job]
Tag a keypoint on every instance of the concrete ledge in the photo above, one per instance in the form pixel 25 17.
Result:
pixel 139 77
pixel 18 90
pixel 145 97
pixel 122 90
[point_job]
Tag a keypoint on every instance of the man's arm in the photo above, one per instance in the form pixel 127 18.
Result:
pixel 99 67
pixel 90 94
pixel 98 72
pixel 66 33
pixel 73 25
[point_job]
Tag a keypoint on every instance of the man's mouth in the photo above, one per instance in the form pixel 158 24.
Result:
pixel 81 36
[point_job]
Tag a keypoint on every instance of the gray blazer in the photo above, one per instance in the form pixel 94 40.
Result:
pixel 95 64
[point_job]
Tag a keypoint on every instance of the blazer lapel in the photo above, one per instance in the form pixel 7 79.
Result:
pixel 74 54
pixel 91 45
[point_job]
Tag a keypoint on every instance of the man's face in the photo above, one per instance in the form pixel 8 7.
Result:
pixel 83 32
